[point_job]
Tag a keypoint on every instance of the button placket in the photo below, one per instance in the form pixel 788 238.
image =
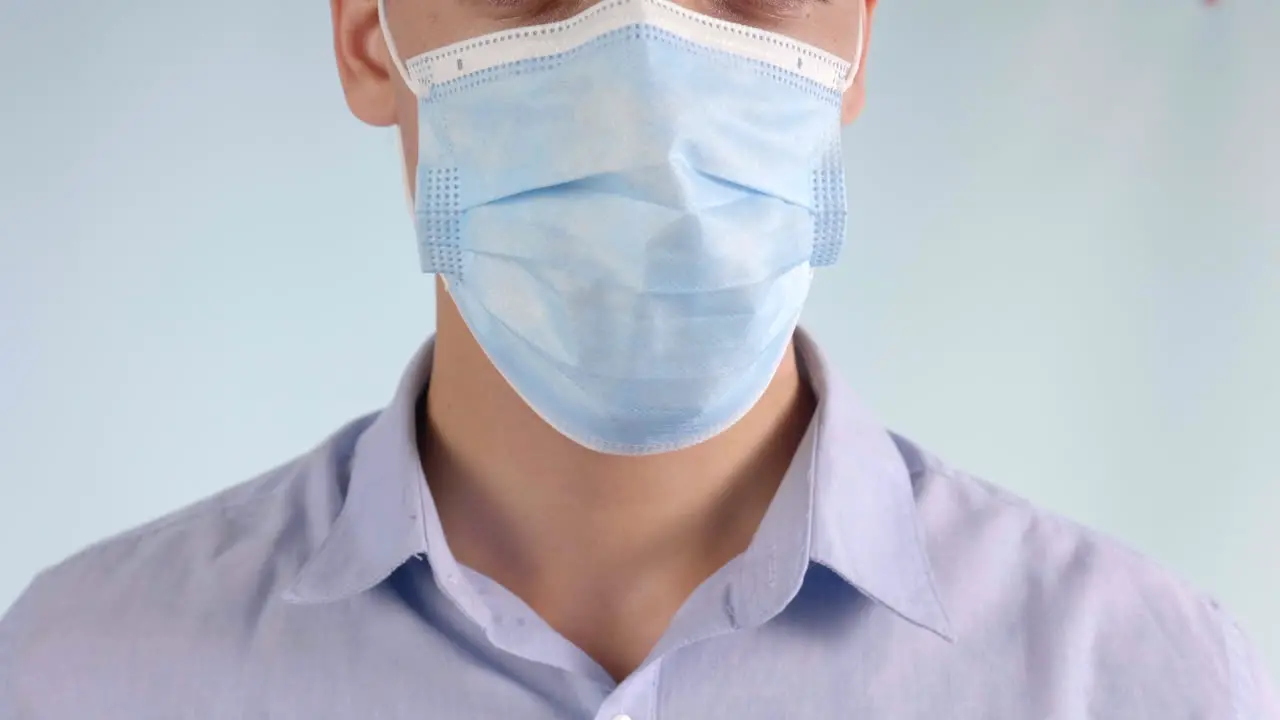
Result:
pixel 635 698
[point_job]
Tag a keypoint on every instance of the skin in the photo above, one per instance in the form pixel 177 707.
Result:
pixel 605 548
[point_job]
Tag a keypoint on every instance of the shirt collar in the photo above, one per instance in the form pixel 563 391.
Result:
pixel 865 524
pixel 381 523
pixel 856 499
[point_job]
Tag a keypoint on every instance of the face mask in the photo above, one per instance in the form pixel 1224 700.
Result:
pixel 626 207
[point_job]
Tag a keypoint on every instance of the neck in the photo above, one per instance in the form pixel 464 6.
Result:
pixel 555 522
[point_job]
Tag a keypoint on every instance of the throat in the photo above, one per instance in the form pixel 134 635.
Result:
pixel 606 549
pixel 617 626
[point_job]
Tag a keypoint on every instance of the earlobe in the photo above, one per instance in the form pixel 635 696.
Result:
pixel 854 98
pixel 364 64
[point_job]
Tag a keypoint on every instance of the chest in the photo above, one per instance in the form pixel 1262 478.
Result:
pixel 787 670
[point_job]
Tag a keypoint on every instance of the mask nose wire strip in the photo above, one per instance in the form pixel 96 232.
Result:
pixel 419 89
pixel 399 63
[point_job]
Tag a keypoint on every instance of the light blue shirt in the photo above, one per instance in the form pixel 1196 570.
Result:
pixel 881 584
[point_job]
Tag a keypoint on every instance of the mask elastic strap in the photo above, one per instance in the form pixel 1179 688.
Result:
pixel 395 54
pixel 408 188
pixel 856 66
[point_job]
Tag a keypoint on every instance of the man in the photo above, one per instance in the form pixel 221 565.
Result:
pixel 618 483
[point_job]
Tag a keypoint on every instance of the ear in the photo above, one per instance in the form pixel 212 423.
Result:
pixel 856 96
pixel 368 75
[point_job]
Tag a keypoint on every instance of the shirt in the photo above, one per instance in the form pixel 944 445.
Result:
pixel 881 584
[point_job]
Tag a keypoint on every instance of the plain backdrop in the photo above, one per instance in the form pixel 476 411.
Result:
pixel 1063 268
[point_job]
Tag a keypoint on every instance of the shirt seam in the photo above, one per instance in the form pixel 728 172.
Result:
pixel 182 518
pixel 1239 679
pixel 260 490
pixel 129 541
pixel 1009 499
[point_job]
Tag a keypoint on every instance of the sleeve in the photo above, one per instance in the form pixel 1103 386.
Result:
pixel 1252 691
pixel 12 626
pixel 8 662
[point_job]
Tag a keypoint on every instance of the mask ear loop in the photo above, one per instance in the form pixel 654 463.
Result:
pixel 856 66
pixel 404 76
pixel 417 88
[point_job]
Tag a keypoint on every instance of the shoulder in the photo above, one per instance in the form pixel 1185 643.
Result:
pixel 1075 607
pixel 164 592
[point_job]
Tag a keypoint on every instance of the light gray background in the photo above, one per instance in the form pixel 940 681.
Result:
pixel 1063 270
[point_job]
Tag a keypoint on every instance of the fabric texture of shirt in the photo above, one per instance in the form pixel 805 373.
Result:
pixel 880 584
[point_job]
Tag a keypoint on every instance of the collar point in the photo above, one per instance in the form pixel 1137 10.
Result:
pixel 932 617
pixel 302 593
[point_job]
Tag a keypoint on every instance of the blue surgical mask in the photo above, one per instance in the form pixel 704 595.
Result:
pixel 627 207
